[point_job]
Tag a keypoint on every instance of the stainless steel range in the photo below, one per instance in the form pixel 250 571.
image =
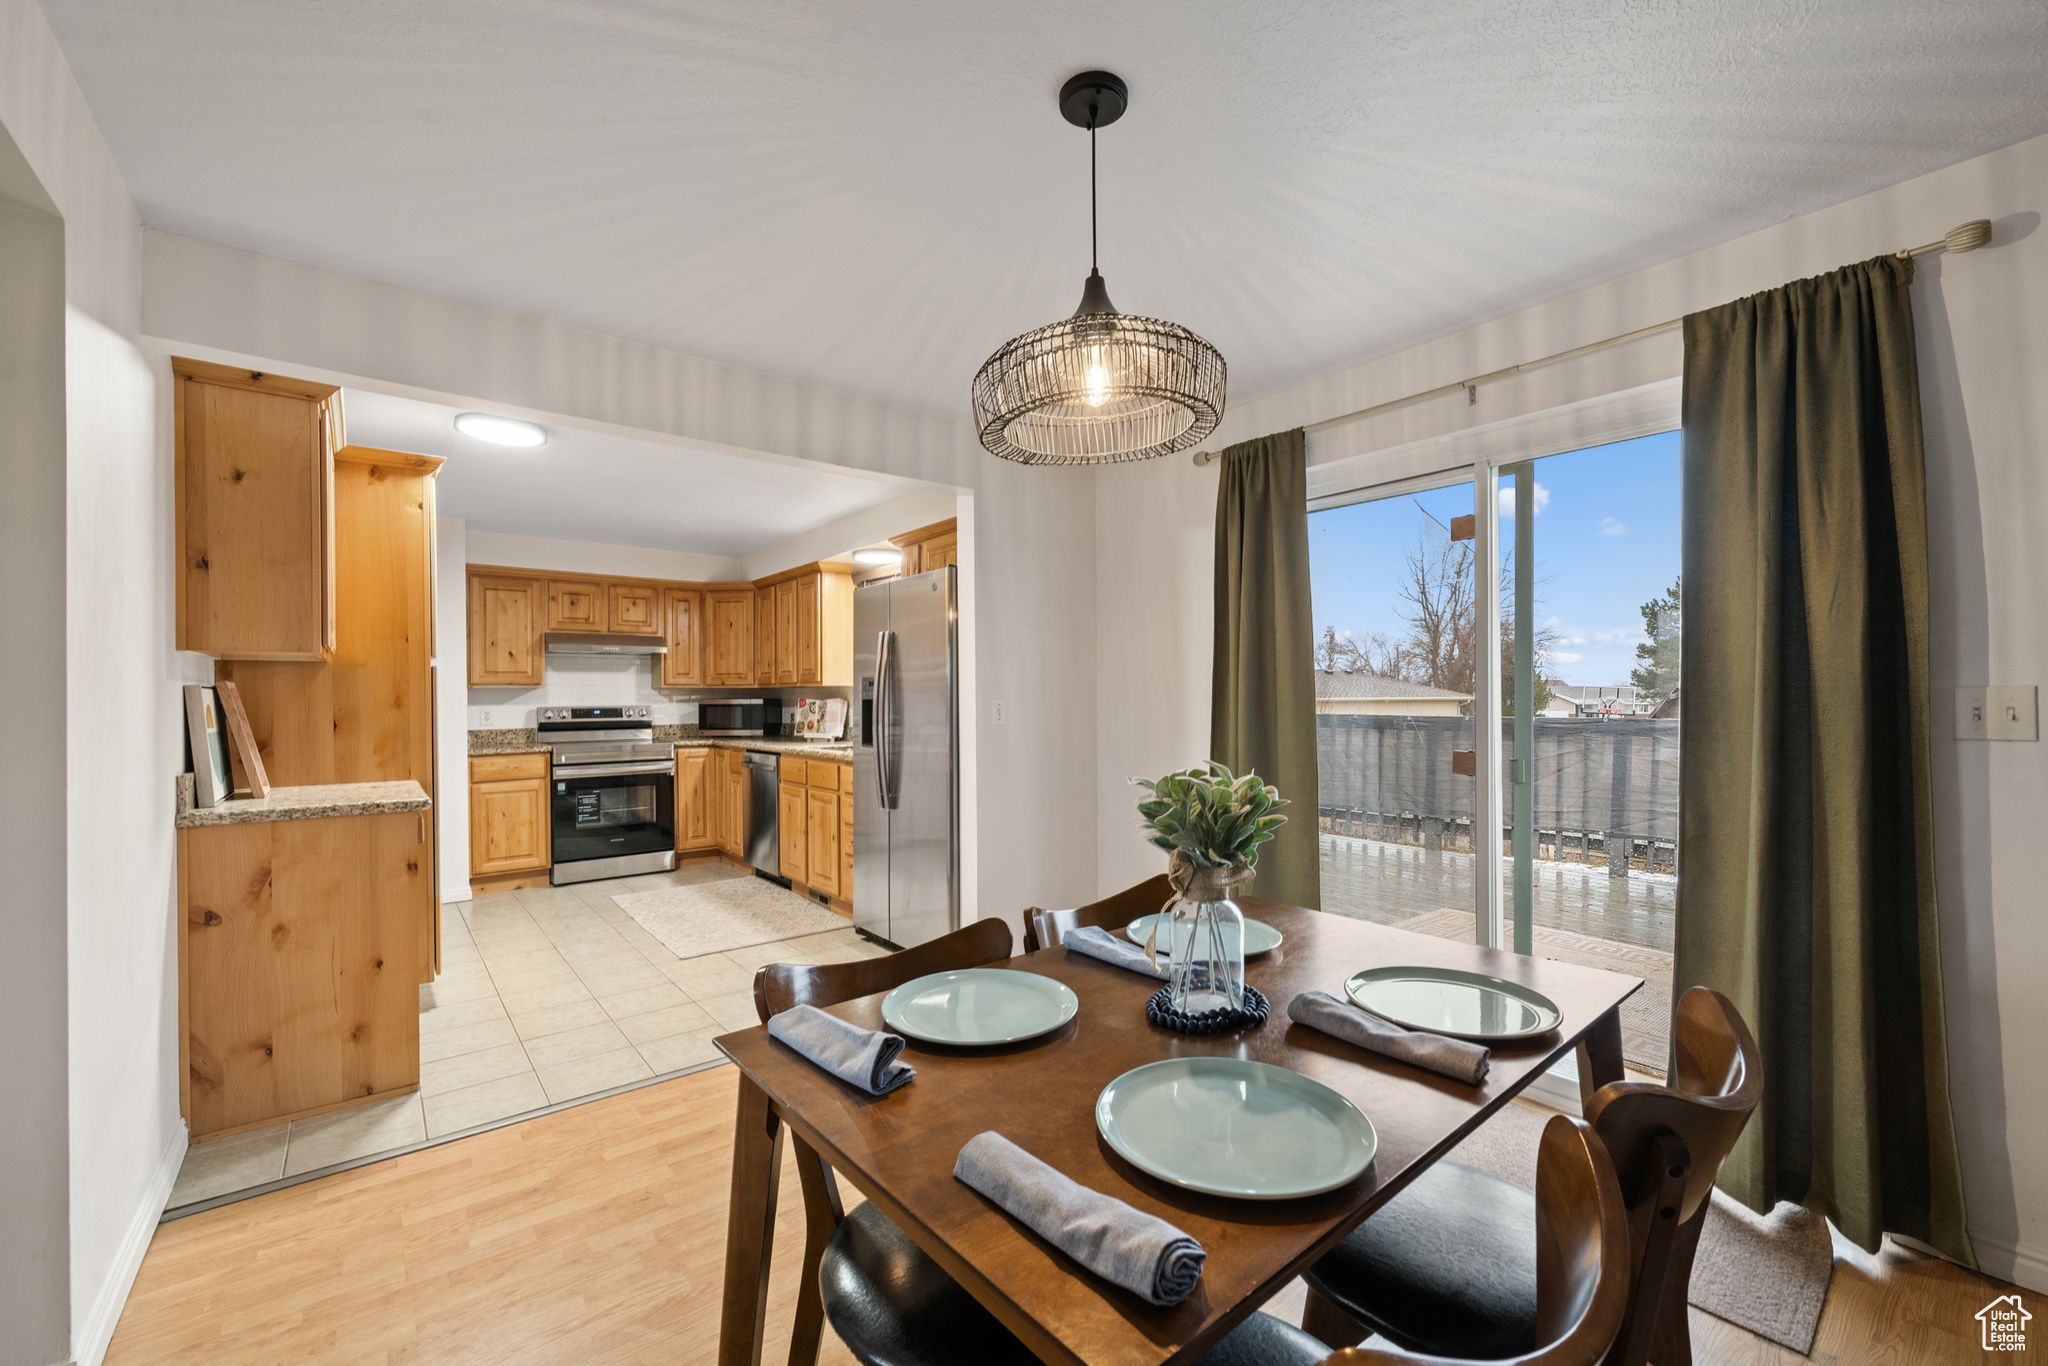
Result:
pixel 612 811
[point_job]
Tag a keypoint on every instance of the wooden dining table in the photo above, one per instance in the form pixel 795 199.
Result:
pixel 898 1150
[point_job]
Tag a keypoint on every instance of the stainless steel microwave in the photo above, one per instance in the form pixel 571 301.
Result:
pixel 739 716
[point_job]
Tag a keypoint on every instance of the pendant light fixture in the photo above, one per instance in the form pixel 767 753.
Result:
pixel 1101 386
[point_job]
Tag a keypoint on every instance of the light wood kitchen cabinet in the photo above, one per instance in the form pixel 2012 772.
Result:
pixel 764 636
pixel 696 817
pixel 732 801
pixel 729 628
pixel 254 502
pixel 929 547
pixel 575 605
pixel 508 813
pixel 682 615
pixel 791 830
pixel 366 713
pixel 785 632
pixel 809 629
pixel 505 615
pixel 298 981
pixel 821 839
pixel 632 609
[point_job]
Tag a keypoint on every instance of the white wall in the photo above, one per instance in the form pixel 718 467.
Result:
pixel 451 706
pixel 1983 336
pixel 585 557
pixel 118 713
pixel 1034 575
pixel 893 518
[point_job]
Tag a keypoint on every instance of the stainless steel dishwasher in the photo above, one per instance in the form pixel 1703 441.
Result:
pixel 764 815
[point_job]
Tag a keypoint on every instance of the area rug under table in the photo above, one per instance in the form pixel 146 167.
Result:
pixel 734 913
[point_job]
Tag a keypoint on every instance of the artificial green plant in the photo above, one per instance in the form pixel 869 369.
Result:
pixel 1209 815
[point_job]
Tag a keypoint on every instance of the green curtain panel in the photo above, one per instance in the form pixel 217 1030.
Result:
pixel 1806 829
pixel 1262 704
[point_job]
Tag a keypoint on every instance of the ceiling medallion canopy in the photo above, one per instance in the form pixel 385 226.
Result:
pixel 1101 386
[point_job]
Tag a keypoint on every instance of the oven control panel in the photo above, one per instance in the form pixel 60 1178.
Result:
pixel 558 714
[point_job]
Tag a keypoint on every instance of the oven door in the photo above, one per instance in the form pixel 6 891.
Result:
pixel 611 810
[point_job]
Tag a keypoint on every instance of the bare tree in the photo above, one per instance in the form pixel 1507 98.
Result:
pixel 1344 652
pixel 1441 612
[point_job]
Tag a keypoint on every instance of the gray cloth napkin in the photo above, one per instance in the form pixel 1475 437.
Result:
pixel 860 1057
pixel 1454 1058
pixel 1137 1251
pixel 1097 942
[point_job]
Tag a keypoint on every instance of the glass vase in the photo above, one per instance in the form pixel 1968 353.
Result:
pixel 1206 941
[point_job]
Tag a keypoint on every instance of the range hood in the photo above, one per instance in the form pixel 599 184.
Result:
pixel 597 643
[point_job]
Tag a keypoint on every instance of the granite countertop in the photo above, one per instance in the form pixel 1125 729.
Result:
pixel 303 803
pixel 776 744
pixel 506 742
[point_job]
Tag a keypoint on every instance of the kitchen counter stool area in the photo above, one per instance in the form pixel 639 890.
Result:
pixel 547 995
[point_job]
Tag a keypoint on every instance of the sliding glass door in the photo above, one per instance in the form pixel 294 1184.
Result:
pixel 1497 708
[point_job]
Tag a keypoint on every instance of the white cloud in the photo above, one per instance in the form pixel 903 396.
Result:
pixel 1507 502
pixel 1610 527
pixel 1565 657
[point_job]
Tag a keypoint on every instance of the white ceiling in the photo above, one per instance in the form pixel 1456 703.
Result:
pixel 875 196
pixel 613 490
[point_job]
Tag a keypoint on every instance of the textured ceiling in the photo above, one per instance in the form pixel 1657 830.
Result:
pixel 613 490
pixel 875 196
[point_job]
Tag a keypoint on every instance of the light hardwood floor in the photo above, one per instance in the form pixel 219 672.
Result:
pixel 597 1235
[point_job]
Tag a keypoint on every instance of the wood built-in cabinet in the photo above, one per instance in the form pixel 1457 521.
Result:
pixel 816 809
pixel 732 801
pixel 365 714
pixel 697 793
pixel 794 630
pixel 508 813
pixel 254 506
pixel 682 615
pixel 505 616
pixel 929 547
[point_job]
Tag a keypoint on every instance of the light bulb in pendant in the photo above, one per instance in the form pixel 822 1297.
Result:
pixel 1097 378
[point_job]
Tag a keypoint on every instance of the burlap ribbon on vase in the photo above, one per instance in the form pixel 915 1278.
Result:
pixel 1191 883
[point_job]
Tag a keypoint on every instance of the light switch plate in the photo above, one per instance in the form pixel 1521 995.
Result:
pixel 2000 713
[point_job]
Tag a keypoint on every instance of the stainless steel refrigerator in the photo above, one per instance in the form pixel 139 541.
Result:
pixel 906 773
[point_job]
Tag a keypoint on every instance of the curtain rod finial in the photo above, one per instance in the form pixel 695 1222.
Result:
pixel 1204 457
pixel 1968 236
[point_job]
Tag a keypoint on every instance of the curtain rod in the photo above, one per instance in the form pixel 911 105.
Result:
pixel 1963 237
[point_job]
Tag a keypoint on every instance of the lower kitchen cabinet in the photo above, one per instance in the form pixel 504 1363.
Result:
pixel 816 809
pixel 794 848
pixel 299 965
pixel 508 813
pixel 697 828
pixel 729 774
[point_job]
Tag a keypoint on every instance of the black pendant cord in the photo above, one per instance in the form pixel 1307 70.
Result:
pixel 1094 253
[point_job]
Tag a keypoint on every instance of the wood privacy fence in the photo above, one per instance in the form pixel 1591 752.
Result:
pixel 1605 791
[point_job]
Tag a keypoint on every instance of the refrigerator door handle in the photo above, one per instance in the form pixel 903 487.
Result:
pixel 885 721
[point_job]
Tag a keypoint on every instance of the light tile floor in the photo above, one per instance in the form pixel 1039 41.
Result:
pixel 545 995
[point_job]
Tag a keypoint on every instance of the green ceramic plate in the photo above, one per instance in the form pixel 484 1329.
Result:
pixel 1259 937
pixel 1463 1005
pixel 979 1006
pixel 1230 1126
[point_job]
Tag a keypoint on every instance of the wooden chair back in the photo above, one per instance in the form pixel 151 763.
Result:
pixel 1717 1084
pixel 779 986
pixel 1045 929
pixel 1582 1257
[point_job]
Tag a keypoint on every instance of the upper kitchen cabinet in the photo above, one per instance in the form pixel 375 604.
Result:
pixel 255 513
pixel 929 547
pixel 764 633
pixel 812 612
pixel 682 618
pixel 506 613
pixel 632 609
pixel 575 605
pixel 729 637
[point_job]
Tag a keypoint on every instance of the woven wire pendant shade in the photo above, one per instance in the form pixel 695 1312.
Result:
pixel 1099 388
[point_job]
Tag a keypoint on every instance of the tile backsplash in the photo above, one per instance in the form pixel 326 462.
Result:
pixel 601 681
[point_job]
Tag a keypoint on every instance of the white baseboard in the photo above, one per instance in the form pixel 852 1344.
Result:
pixel 458 892
pixel 90 1347
pixel 2015 1262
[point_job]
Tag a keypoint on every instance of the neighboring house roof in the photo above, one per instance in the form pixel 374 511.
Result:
pixel 1334 685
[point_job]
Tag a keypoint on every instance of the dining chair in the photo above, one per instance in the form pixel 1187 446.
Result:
pixel 1445 1267
pixel 1045 929
pixel 876 1246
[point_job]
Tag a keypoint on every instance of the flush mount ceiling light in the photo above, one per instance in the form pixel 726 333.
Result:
pixel 878 556
pixel 501 431
pixel 1101 386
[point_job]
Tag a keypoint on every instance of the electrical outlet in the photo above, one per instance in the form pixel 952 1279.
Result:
pixel 1002 714
pixel 487 717
pixel 2001 713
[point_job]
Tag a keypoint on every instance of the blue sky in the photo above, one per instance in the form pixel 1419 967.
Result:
pixel 1606 542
